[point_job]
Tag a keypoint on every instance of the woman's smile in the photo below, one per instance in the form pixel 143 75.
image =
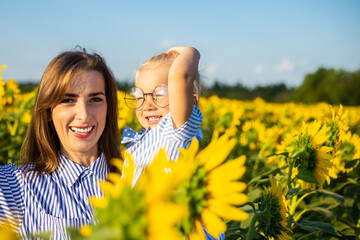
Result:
pixel 82 132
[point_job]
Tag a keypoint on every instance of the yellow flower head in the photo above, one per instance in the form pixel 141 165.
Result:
pixel 253 134
pixel 350 150
pixel 213 190
pixel 274 202
pixel 7 231
pixel 140 211
pixel 312 159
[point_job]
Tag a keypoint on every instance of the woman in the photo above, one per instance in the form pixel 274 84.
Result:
pixel 71 136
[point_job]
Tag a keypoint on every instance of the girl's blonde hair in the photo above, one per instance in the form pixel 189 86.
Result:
pixel 165 60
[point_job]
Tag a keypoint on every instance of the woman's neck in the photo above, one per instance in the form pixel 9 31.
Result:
pixel 83 159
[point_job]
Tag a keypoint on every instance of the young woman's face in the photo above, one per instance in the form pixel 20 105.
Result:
pixel 149 115
pixel 80 117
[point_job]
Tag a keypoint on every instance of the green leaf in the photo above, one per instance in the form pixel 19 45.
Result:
pixel 307 176
pixel 355 211
pixel 323 211
pixel 351 163
pixel 317 226
pixel 333 195
pixel 254 194
pixel 353 189
pixel 293 191
pixel 255 179
pixel 286 154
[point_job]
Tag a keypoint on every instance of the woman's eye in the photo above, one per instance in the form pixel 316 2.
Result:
pixel 96 99
pixel 67 100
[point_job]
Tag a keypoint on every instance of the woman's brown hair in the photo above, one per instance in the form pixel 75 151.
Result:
pixel 41 144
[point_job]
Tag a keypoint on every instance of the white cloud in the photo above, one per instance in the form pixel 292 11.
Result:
pixel 285 66
pixel 168 43
pixel 259 69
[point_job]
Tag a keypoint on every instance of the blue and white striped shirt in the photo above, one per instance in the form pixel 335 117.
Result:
pixel 50 202
pixel 165 136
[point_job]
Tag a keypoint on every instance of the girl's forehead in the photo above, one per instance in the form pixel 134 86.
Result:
pixel 149 79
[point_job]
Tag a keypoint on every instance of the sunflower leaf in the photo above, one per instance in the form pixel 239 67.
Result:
pixel 293 191
pixel 351 163
pixel 317 226
pixel 307 176
pixel 286 154
pixel 355 211
pixel 333 195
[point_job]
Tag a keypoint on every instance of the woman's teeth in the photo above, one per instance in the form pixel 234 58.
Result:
pixel 81 130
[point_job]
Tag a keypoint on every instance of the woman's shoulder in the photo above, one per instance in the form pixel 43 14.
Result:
pixel 10 181
pixel 12 170
pixel 9 169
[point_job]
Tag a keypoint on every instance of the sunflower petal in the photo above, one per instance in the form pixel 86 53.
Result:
pixel 227 211
pixel 212 223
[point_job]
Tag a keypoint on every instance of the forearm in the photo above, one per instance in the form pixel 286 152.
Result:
pixel 185 66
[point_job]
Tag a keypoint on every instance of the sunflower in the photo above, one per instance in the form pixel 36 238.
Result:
pixel 273 204
pixel 253 134
pixel 350 149
pixel 213 190
pixel 139 212
pixel 7 231
pixel 337 134
pixel 312 161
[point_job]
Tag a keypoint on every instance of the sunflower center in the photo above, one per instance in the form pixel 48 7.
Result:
pixel 193 193
pixel 334 134
pixel 133 221
pixel 252 135
pixel 269 223
pixel 347 151
pixel 304 153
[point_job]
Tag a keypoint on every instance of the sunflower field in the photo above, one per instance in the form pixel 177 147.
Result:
pixel 262 171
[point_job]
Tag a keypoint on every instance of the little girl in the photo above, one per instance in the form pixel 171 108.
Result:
pixel 166 98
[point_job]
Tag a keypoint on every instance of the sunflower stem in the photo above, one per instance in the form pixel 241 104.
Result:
pixel 291 164
pixel 300 214
pixel 253 222
pixel 302 197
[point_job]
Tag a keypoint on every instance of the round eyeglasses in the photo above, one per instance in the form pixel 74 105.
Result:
pixel 135 97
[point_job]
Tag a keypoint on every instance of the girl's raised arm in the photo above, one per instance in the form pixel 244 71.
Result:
pixel 182 75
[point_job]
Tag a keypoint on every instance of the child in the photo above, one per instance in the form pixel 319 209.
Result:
pixel 165 98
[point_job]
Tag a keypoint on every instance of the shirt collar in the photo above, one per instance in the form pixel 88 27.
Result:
pixel 70 171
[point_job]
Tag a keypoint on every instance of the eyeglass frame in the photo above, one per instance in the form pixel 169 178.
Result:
pixel 144 94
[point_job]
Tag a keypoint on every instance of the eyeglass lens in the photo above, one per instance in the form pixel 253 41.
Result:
pixel 135 97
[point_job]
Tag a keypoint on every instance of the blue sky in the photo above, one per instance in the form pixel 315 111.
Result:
pixel 248 42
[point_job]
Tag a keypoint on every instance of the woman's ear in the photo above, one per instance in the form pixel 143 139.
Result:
pixel 196 100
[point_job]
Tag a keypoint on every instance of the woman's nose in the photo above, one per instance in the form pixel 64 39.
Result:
pixel 82 111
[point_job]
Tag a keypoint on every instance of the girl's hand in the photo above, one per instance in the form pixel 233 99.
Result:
pixel 180 49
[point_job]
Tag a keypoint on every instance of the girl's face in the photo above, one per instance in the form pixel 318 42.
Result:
pixel 149 115
pixel 79 119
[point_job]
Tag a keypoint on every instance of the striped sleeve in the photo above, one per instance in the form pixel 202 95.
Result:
pixel 190 127
pixel 11 195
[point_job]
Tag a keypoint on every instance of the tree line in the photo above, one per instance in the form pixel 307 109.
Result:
pixel 324 85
